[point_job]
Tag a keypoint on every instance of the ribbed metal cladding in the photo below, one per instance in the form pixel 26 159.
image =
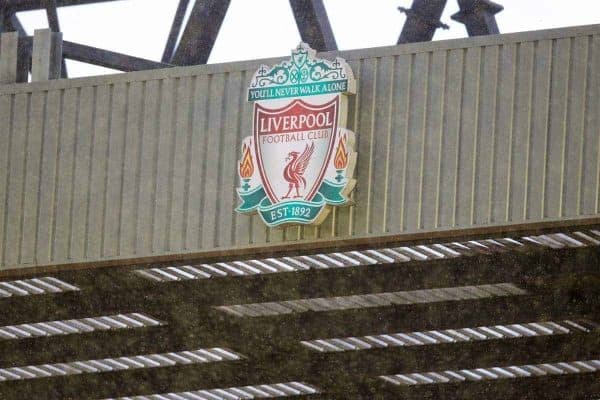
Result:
pixel 482 374
pixel 357 258
pixel 371 300
pixel 287 389
pixel 35 286
pixel 474 132
pixel 200 356
pixel 480 333
pixel 77 326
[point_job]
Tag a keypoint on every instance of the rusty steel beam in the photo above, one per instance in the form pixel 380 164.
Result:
pixel 422 19
pixel 478 16
pixel 313 24
pixel 12 24
pixel 100 57
pixel 200 33
pixel 175 30
pixel 52 15
pixel 3 22
pixel 108 59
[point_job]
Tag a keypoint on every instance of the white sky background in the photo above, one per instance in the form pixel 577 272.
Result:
pixel 266 28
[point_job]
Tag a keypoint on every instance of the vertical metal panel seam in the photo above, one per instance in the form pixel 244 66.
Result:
pixel 91 158
pixel 547 130
pixel 493 132
pixel 188 161
pixel 8 162
pixel 138 167
pixel 171 173
pixel 381 102
pixel 56 173
pixel 427 106
pixel 478 132
pixel 73 168
pixel 590 111
pixel 443 131
pixel 149 138
pixel 128 88
pixel 512 128
pixel 555 68
pixel 228 157
pixel 223 113
pixel 79 173
pixel 443 127
pixel 162 183
pixel 528 150
pixel 363 145
pixel 565 129
pixel 372 134
pixel 456 155
pixel 458 136
pixel 494 155
pixel 450 124
pixel 397 148
pixel 585 95
pixel 577 105
pixel 95 229
pixel 406 135
pixel 239 137
pixel 240 104
pixel 506 110
pixel 391 104
pixel 180 163
pixel 24 182
pixel 111 89
pixel 40 169
pixel 155 167
pixel 203 167
pixel 357 106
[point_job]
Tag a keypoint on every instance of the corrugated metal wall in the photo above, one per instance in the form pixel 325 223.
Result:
pixel 484 131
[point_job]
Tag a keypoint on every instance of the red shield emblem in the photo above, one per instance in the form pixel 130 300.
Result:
pixel 293 146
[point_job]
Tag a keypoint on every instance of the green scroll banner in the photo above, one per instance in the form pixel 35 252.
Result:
pixel 298 90
pixel 295 211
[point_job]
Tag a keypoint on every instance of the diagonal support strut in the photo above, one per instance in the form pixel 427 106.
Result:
pixel 200 33
pixel 175 30
pixel 313 24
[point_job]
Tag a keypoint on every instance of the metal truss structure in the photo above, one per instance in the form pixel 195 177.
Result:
pixel 198 35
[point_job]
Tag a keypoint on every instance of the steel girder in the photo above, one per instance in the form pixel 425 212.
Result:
pixel 478 16
pixel 313 24
pixel 200 33
pixel 422 19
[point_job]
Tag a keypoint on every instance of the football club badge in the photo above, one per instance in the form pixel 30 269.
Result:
pixel 299 161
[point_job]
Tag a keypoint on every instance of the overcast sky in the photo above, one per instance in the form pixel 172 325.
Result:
pixel 266 28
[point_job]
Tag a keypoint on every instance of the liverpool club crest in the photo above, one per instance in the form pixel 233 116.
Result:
pixel 299 161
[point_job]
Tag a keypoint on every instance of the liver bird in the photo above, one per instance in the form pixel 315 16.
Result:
pixel 294 170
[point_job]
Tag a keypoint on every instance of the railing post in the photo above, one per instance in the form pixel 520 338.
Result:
pixel 9 55
pixel 46 56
